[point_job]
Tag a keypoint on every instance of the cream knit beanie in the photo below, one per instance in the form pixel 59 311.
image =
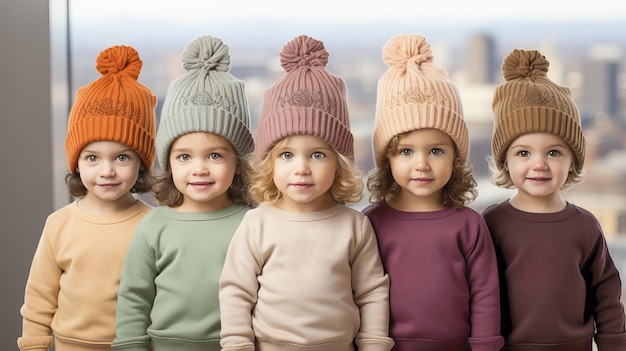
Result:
pixel 414 93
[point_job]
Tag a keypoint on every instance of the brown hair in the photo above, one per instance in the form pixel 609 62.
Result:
pixel 166 193
pixel 144 183
pixel 459 191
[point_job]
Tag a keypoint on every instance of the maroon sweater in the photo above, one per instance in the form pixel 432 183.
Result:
pixel 443 279
pixel 557 280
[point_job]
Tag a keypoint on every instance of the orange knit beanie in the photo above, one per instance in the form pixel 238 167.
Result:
pixel 115 107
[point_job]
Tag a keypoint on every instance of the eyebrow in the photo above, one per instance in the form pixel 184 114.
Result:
pixel 90 151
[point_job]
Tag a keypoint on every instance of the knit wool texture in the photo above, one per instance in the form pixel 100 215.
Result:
pixel 414 93
pixel 207 98
pixel 529 102
pixel 115 107
pixel 307 100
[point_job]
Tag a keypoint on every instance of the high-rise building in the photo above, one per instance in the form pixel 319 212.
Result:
pixel 481 60
pixel 599 91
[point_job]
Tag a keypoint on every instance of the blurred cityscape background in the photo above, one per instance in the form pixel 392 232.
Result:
pixel 585 54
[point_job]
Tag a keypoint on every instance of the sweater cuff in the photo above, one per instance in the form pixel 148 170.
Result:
pixel 34 343
pixel 489 343
pixel 611 342
pixel 375 344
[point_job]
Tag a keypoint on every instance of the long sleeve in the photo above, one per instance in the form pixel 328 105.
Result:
pixel 482 276
pixel 136 295
pixel 238 291
pixel 371 293
pixel 40 298
pixel 606 286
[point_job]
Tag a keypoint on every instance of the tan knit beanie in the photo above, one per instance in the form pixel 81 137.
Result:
pixel 307 100
pixel 529 102
pixel 414 93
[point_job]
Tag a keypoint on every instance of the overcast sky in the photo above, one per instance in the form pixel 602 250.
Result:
pixel 353 11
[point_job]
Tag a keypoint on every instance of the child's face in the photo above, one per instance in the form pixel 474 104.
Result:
pixel 108 170
pixel 203 167
pixel 538 164
pixel 304 171
pixel 422 165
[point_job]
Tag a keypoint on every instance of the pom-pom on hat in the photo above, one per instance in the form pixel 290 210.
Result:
pixel 115 107
pixel 414 93
pixel 307 100
pixel 529 102
pixel 207 98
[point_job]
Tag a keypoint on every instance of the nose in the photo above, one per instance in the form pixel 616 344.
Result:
pixel 107 169
pixel 420 162
pixel 302 166
pixel 200 167
pixel 539 163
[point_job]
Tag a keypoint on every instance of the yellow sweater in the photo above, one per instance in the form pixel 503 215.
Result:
pixel 71 291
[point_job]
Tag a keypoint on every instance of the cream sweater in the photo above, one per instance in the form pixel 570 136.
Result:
pixel 304 281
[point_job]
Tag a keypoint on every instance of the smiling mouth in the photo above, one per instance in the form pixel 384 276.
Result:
pixel 108 185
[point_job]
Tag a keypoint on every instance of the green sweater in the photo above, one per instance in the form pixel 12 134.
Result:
pixel 169 288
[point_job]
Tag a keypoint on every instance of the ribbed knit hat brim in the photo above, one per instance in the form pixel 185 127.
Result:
pixel 212 120
pixel 534 119
pixel 304 121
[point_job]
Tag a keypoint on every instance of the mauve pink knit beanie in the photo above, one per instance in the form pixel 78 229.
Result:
pixel 307 100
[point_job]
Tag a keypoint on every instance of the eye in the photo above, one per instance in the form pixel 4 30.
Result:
pixel 183 157
pixel 122 158
pixel 318 155
pixel 286 155
pixel 406 152
pixel 91 158
pixel 436 151
pixel 215 156
pixel 523 153
pixel 554 153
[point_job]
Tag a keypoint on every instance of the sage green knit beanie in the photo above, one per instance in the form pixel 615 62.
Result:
pixel 207 98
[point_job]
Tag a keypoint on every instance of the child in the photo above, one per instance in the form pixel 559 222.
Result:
pixel 169 290
pixel 303 270
pixel 437 252
pixel 559 284
pixel 71 291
